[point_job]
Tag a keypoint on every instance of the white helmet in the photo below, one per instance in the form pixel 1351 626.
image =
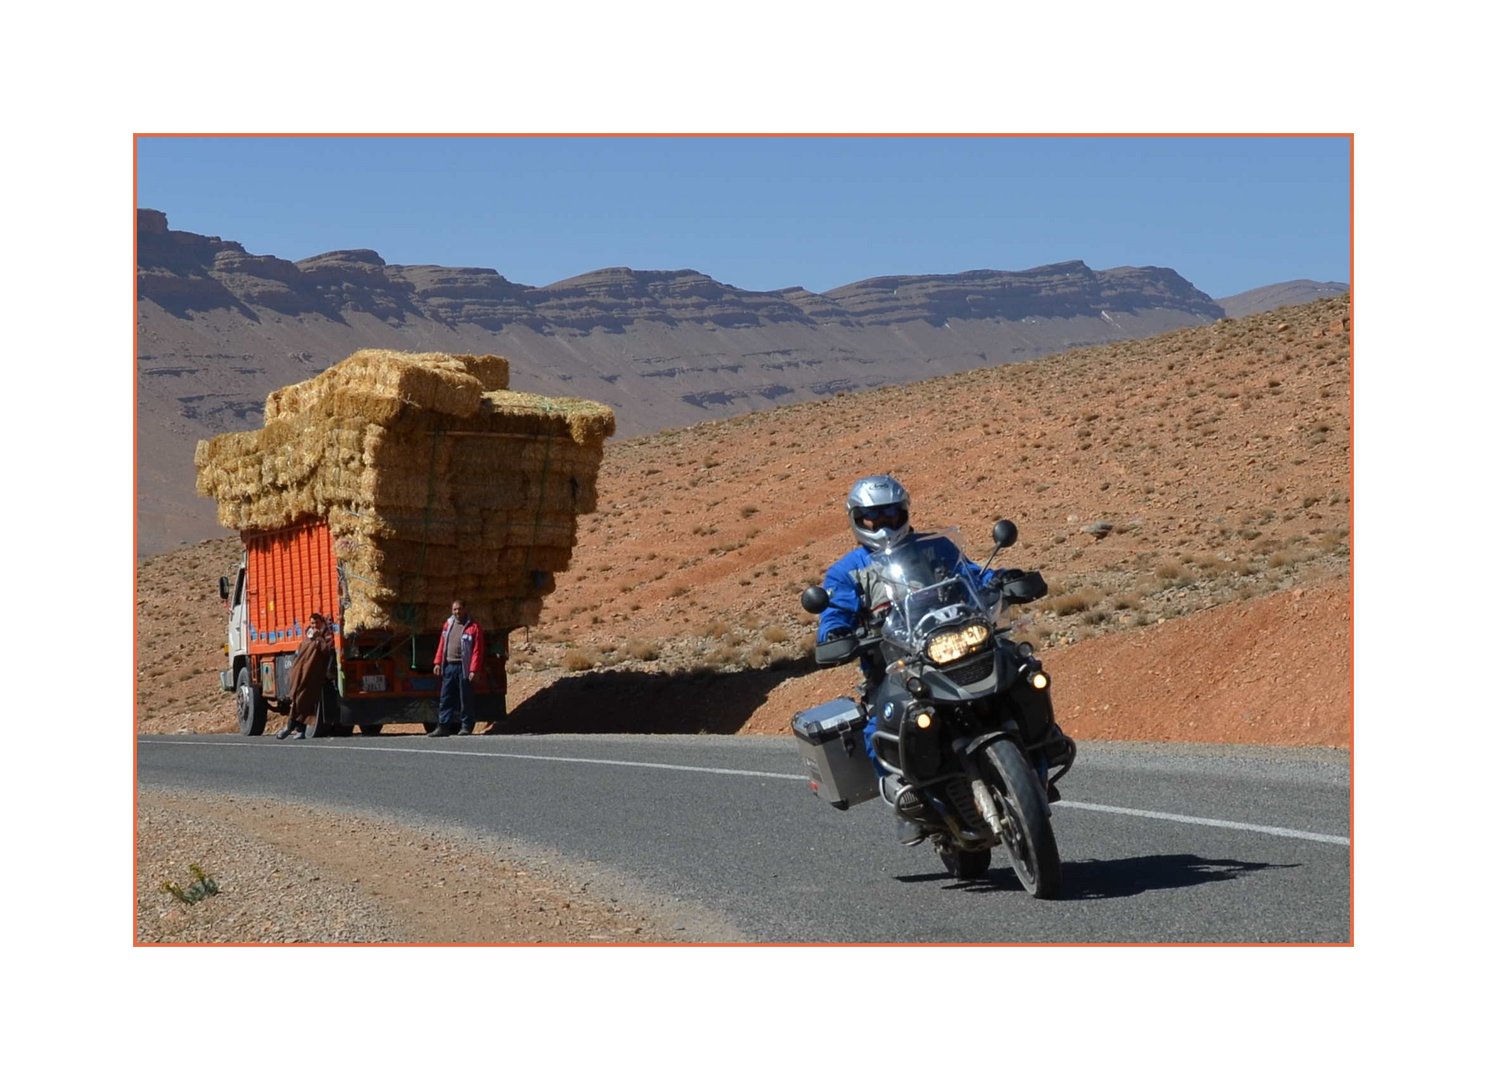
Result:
pixel 878 507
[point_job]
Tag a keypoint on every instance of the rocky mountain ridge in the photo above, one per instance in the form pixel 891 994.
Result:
pixel 219 328
pixel 186 273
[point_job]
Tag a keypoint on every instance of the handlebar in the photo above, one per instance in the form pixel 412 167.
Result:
pixel 840 650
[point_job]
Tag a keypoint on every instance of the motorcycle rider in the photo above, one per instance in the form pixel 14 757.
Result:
pixel 878 511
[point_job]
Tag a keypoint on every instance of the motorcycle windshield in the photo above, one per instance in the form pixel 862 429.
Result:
pixel 925 584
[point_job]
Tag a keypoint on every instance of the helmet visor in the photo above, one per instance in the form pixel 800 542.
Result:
pixel 873 518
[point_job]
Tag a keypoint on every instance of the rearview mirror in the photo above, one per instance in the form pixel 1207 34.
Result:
pixel 1004 533
pixel 815 600
pixel 222 587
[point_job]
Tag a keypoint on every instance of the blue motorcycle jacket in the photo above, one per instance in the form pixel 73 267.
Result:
pixel 846 586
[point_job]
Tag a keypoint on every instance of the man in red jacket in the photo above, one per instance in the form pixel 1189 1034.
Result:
pixel 459 658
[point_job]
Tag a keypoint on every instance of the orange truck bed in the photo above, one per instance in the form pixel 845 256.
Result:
pixel 291 575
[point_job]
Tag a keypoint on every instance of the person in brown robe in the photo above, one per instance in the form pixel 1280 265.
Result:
pixel 307 676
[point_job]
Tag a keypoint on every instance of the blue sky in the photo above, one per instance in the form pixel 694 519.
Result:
pixel 1228 213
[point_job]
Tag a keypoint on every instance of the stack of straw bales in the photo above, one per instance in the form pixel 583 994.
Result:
pixel 437 482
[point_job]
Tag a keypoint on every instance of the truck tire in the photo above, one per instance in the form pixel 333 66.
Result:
pixel 327 719
pixel 251 707
pixel 370 729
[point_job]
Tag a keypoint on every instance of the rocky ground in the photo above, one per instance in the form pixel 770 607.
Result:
pixel 1188 498
pixel 369 880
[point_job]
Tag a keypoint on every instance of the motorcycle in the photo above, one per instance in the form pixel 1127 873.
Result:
pixel 965 728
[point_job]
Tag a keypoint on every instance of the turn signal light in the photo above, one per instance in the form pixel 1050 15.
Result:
pixel 924 719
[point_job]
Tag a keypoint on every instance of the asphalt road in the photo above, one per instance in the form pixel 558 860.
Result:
pixel 1159 843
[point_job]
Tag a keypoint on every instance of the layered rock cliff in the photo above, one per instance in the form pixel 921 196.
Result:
pixel 218 328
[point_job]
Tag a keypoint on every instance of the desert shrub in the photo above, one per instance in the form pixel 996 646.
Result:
pixel 1069 603
pixel 642 649
pixel 723 656
pixel 579 660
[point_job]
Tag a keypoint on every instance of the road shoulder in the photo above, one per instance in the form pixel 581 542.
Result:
pixel 288 872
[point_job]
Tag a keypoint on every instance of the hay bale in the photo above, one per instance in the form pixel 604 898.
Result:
pixel 378 384
pixel 494 372
pixel 435 481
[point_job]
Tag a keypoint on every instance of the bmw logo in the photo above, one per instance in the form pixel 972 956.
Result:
pixel 888 711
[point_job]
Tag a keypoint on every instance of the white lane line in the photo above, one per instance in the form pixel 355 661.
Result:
pixel 1273 830
pixel 519 757
pixel 1217 823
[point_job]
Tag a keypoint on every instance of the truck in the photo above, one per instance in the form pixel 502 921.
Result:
pixel 379 675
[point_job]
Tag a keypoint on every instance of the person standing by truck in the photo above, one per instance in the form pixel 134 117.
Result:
pixel 307 677
pixel 457 661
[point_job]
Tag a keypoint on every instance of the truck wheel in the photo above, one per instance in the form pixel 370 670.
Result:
pixel 346 713
pixel 326 721
pixel 252 709
pixel 370 729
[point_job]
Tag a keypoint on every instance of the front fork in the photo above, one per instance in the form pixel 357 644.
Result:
pixel 971 752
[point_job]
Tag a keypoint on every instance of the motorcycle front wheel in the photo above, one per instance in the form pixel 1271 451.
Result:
pixel 1022 814
pixel 965 865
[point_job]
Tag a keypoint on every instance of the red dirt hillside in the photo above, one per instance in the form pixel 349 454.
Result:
pixel 1188 497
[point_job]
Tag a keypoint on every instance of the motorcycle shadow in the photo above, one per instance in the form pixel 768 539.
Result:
pixel 651 703
pixel 1110 879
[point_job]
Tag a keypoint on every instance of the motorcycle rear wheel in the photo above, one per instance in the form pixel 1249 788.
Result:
pixel 1027 832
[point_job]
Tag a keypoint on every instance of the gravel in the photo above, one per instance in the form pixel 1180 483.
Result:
pixel 356 879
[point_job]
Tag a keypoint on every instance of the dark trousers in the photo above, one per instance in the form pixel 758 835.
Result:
pixel 456 698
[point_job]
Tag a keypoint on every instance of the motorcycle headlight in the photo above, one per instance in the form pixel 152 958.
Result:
pixel 948 646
